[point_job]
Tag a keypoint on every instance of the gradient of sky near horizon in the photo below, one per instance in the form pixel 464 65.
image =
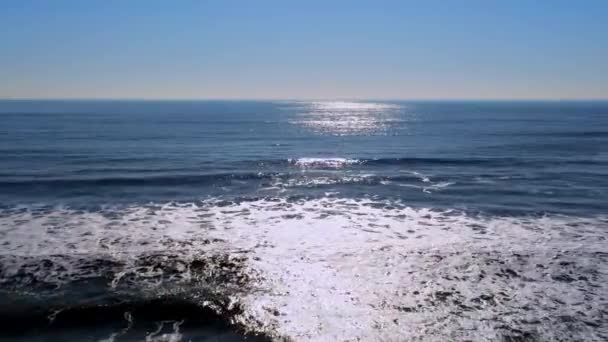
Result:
pixel 271 49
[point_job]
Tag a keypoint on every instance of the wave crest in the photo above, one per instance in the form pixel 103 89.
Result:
pixel 333 163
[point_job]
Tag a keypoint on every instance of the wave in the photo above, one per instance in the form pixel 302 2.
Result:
pixel 253 170
pixel 560 134
pixel 151 295
pixel 322 162
pixel 310 162
pixel 406 161
pixel 161 180
pixel 156 319
pixel 269 180
pixel 382 264
pixel 343 162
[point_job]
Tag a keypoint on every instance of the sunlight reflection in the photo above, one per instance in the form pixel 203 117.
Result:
pixel 349 118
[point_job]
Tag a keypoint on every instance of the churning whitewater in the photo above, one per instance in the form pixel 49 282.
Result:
pixel 288 265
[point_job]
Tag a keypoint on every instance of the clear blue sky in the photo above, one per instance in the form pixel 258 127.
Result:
pixel 552 49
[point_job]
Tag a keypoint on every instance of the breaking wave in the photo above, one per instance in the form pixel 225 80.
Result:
pixel 323 162
pixel 280 267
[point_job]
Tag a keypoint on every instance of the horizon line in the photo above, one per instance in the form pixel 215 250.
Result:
pixel 306 99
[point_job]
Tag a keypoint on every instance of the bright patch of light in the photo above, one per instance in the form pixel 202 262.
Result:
pixel 349 118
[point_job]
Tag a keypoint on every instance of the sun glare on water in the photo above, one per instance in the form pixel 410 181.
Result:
pixel 349 118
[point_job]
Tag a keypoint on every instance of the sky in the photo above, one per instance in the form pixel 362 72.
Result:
pixel 313 49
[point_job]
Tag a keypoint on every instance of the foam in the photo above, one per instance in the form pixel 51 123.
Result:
pixel 323 162
pixel 420 176
pixel 437 187
pixel 346 269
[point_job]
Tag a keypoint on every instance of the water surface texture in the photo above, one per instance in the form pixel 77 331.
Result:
pixel 304 221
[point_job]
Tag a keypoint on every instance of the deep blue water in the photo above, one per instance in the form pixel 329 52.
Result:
pixel 489 156
pixel 486 218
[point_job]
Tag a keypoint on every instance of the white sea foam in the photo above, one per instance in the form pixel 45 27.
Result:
pixel 437 187
pixel 345 269
pixel 422 177
pixel 323 162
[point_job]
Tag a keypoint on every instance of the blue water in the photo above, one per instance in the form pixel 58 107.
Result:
pixel 490 156
pixel 328 220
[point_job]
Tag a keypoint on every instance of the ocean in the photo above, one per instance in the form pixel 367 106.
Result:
pixel 303 220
